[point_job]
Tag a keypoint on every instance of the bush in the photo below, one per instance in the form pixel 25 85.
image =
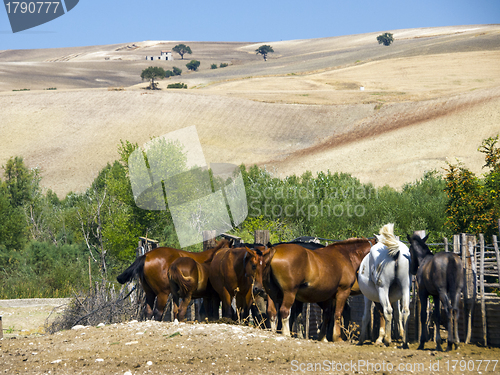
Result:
pixel 223 65
pixel 213 66
pixel 177 85
pixel 193 65
pixel 177 71
pixel 169 73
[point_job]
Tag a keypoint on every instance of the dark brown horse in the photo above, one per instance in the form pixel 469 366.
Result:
pixel 324 276
pixel 188 280
pixel 152 269
pixel 440 276
pixel 237 273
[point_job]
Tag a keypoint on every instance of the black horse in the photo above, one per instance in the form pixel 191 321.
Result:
pixel 441 276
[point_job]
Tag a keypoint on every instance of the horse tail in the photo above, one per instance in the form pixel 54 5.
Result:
pixel 136 268
pixel 454 279
pixel 387 237
pixel 184 282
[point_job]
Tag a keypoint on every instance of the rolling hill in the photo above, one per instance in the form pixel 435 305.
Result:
pixel 429 98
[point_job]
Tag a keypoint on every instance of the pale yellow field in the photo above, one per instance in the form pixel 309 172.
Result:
pixel 431 97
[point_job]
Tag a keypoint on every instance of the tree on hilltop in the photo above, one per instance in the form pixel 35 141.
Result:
pixel 151 74
pixel 264 50
pixel 182 49
pixel 386 39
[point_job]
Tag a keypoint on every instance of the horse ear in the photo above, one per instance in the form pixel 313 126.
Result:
pixel 408 237
pixel 425 238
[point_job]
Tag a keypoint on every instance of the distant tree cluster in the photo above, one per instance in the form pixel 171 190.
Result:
pixel 174 72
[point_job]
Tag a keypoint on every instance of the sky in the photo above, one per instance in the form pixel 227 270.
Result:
pixel 93 22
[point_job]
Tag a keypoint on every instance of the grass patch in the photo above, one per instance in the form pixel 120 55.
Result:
pixel 22 90
pixel 51 88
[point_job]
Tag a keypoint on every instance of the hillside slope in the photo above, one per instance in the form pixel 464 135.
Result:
pixel 431 97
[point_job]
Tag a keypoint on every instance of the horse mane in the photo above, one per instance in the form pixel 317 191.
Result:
pixel 386 237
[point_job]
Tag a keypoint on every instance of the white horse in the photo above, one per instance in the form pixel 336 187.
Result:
pixel 384 276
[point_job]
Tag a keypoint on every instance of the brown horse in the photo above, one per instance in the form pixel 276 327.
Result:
pixel 237 272
pixel 324 276
pixel 152 269
pixel 188 280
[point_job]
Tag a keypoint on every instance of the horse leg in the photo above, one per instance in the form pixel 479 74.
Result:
pixel 288 299
pixel 406 314
pixel 271 313
pixel 227 310
pixel 338 306
pixel 378 311
pixel 398 319
pixel 386 305
pixel 183 308
pixel 436 316
pixel 161 303
pixel 423 318
pixel 365 321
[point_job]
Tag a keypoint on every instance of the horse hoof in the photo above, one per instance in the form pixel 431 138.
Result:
pixel 420 347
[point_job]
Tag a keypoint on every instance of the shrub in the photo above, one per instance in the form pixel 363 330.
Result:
pixel 213 66
pixel 177 71
pixel 193 65
pixel 169 73
pixel 223 65
pixel 177 85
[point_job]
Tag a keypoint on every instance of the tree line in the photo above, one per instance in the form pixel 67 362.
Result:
pixel 47 243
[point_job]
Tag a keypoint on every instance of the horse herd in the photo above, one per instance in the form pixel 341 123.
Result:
pixel 291 274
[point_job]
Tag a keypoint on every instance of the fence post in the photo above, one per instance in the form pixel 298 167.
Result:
pixel 445 240
pixel 308 317
pixel 456 243
pixel 495 245
pixel 1 328
pixel 481 286
pixel 262 236
pixel 208 239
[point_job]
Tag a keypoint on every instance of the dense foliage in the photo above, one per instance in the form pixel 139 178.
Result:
pixel 47 243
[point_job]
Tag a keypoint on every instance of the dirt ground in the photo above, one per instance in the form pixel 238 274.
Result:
pixel 176 348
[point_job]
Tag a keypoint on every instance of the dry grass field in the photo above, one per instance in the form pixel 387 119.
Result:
pixel 429 98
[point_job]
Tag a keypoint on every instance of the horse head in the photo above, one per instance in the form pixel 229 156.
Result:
pixel 255 261
pixel 418 251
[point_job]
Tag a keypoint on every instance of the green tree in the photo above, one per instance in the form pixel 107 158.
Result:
pixel 386 39
pixel 151 74
pixel 177 71
pixel 193 65
pixel 18 180
pixel 12 222
pixel 264 50
pixel 182 49
pixel 473 203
